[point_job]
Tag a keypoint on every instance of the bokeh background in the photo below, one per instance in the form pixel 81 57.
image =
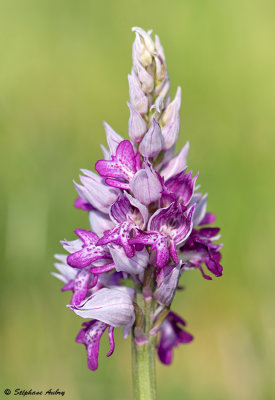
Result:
pixel 63 69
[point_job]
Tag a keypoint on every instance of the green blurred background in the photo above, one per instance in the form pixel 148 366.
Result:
pixel 63 70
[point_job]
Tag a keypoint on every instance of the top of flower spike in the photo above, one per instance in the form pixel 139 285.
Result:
pixel 149 97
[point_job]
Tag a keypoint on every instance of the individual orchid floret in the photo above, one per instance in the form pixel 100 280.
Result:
pixel 167 228
pixel 112 306
pixel 146 80
pixel 89 251
pixel 145 38
pixel 137 98
pixel 90 336
pixel 146 185
pixel 128 214
pixel 167 282
pixel 136 125
pixel 199 249
pixel 129 208
pixel 181 187
pixel 152 143
pixel 141 52
pixel 121 169
pixel 94 191
pixel 171 335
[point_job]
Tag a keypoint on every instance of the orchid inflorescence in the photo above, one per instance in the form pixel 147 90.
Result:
pixel 148 220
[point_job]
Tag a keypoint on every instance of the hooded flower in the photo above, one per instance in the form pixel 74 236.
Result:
pixel 111 306
pixel 94 192
pixel 200 249
pixel 121 169
pixel 167 282
pixel 128 214
pixel 167 228
pixel 180 187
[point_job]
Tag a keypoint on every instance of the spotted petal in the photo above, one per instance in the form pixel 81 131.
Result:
pixel 90 336
pixel 89 252
pixel 122 165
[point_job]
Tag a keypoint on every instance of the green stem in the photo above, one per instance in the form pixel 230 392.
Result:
pixel 143 356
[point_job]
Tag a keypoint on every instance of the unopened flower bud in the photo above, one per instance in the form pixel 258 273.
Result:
pixel 137 97
pixel 141 52
pixel 113 138
pixel 171 121
pixel 146 185
pixel 160 69
pixel 147 81
pixel 152 143
pixel 146 38
pixel 136 125
pixel 172 107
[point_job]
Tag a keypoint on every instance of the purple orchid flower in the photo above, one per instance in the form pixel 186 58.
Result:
pixel 148 222
pixel 167 282
pixel 200 249
pixel 121 169
pixel 78 281
pixel 180 187
pixel 171 335
pixel 89 251
pixel 147 185
pixel 129 215
pixel 167 228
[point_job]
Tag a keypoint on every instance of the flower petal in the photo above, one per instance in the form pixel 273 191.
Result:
pixel 146 185
pixel 122 165
pixel 112 306
pixel 134 265
pixel 136 125
pixel 166 291
pixel 171 121
pixel 152 143
pixel 176 164
pixel 100 222
pixel 137 97
pixel 113 138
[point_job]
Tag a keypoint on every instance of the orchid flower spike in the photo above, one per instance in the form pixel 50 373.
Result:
pixel 148 222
